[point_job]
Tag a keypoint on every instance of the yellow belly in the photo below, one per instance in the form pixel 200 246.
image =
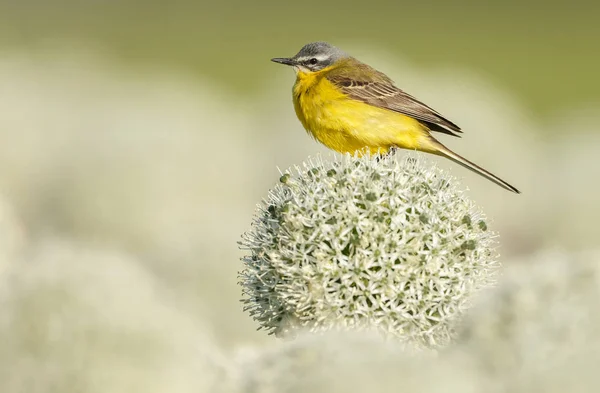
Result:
pixel 348 126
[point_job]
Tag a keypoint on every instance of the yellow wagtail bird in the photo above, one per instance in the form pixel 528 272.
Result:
pixel 351 107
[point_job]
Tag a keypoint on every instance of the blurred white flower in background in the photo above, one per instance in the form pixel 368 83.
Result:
pixel 12 236
pixel 157 164
pixel 80 319
pixel 540 330
pixel 352 362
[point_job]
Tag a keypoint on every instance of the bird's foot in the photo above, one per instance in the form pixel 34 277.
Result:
pixel 391 151
pixel 389 154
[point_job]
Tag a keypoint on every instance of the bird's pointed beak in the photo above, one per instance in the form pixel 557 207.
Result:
pixel 284 60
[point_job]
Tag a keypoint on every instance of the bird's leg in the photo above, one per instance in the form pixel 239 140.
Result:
pixel 389 154
pixel 391 151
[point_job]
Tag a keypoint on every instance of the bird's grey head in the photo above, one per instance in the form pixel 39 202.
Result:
pixel 313 57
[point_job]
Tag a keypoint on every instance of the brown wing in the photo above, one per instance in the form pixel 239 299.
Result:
pixel 375 88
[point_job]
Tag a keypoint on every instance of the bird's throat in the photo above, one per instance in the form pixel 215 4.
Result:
pixel 307 80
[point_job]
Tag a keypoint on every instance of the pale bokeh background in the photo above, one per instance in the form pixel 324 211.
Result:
pixel 137 138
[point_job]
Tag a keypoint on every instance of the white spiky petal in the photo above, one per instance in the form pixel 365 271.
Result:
pixel 366 242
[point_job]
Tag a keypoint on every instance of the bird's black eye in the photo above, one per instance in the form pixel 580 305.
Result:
pixel 313 61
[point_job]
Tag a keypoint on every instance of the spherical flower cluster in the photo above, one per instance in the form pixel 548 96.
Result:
pixel 366 242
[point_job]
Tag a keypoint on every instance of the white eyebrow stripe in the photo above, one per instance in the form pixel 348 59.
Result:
pixel 318 57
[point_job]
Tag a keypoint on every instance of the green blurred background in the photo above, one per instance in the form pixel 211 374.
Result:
pixel 545 52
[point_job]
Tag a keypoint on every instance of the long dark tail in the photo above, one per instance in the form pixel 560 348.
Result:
pixel 445 152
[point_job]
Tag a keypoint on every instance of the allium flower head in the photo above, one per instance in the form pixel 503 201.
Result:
pixel 366 242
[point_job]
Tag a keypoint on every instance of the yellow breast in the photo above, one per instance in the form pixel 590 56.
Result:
pixel 348 125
